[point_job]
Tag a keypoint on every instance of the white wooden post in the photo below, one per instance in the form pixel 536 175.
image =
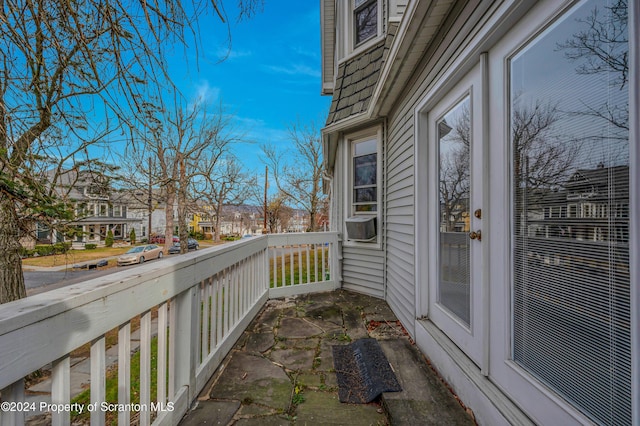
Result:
pixel 13 393
pixel 162 353
pixel 145 368
pixel 204 328
pixel 124 372
pixel 98 380
pixel 61 390
pixel 186 333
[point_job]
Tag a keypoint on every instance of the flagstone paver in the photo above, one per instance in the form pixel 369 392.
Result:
pixel 281 371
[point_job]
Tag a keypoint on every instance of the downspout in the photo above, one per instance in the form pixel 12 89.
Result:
pixel 383 227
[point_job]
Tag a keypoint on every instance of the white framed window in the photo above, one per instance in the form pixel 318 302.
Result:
pixel 365 20
pixel 363 191
pixel 103 210
pixel 117 211
pixel 361 25
pixel 364 176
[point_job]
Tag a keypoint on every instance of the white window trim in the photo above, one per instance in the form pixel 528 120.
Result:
pixel 350 140
pixel 106 211
pixel 346 31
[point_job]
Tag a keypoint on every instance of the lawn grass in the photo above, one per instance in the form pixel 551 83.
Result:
pixel 74 256
pixel 299 274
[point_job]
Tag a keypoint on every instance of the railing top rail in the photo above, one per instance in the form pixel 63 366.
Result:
pixel 302 238
pixel 181 269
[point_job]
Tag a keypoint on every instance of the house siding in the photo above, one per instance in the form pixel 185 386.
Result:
pixel 399 219
pixel 328 19
pixel 363 270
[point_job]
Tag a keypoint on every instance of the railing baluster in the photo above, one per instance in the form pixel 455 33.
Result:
pixel 307 255
pixel 212 314
pixel 292 271
pixel 315 262
pixel 61 390
pixel 243 285
pixel 227 301
pixel 300 274
pixel 282 257
pixel 220 310
pixel 204 318
pixel 124 371
pixel 145 367
pixel 232 301
pixel 209 316
pixel 98 380
pixel 324 266
pixel 161 393
pixel 172 348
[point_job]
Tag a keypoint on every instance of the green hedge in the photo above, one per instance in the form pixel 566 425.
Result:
pixel 46 250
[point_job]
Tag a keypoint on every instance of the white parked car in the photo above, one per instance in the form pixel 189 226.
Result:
pixel 139 254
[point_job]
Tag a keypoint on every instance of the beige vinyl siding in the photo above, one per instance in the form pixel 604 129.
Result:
pixel 399 219
pixel 328 40
pixel 363 270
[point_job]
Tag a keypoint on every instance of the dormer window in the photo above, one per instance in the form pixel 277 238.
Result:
pixel 365 14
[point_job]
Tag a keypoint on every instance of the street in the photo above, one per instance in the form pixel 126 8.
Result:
pixel 41 281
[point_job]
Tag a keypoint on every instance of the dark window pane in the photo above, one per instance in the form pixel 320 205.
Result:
pixel 365 195
pixel 365 170
pixel 366 21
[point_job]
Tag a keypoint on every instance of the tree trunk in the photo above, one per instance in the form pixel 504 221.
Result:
pixel 168 230
pixel 11 277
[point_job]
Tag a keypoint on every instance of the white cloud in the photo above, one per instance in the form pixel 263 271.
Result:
pixel 295 69
pixel 204 92
pixel 228 54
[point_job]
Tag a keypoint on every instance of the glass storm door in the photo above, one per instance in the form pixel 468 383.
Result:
pixel 456 217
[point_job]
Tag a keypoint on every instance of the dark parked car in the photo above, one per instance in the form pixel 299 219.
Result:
pixel 175 248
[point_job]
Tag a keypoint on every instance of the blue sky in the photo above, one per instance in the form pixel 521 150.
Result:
pixel 271 77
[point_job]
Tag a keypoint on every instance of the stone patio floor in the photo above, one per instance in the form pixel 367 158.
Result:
pixel 281 371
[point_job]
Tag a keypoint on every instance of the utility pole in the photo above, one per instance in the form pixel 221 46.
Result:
pixel 150 201
pixel 266 186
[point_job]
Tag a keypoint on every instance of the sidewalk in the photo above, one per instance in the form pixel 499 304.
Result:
pixel 79 265
pixel 281 371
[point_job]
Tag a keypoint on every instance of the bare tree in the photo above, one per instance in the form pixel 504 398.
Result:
pixel 298 174
pixel 62 66
pixel 188 146
pixel 222 182
pixel 278 213
pixel 454 182
pixel 602 47
pixel 542 160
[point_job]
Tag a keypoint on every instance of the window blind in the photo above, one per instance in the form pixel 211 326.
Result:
pixel 569 139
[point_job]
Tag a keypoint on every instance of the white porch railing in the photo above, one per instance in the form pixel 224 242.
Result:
pixel 204 301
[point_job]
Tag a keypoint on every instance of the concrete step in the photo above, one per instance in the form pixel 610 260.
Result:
pixel 424 399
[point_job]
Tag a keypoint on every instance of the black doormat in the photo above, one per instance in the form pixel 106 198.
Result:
pixel 363 372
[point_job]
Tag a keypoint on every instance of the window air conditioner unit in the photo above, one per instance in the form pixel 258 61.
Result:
pixel 361 228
